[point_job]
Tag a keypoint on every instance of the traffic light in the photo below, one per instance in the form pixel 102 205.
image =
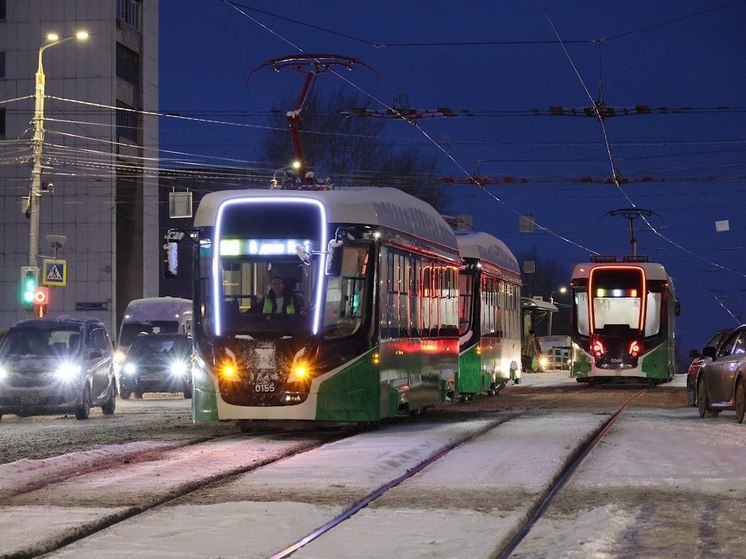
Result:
pixel 41 301
pixel 29 283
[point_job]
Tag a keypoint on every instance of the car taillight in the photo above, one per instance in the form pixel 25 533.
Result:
pixel 635 348
pixel 597 348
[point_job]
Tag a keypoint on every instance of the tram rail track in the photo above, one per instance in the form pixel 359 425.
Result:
pixel 575 460
pixel 540 506
pixel 271 482
pixel 121 514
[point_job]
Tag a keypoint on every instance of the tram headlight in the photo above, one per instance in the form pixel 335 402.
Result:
pixel 228 370
pixel 597 347
pixel 129 368
pixel 300 372
pixel 635 348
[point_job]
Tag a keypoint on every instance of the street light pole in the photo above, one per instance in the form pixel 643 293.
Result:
pixel 35 193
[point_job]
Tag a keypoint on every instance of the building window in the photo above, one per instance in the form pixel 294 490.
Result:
pixel 127 123
pixel 128 11
pixel 2 122
pixel 128 65
pixel 2 10
pixel 2 64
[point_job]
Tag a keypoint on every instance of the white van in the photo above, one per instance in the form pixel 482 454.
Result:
pixel 153 315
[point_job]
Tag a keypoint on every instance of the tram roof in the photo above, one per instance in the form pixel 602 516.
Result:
pixel 653 270
pixel 375 206
pixel 487 248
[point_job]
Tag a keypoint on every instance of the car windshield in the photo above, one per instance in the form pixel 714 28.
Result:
pixel 149 345
pixel 41 341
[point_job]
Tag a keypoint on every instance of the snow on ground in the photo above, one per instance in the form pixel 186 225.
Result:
pixel 463 505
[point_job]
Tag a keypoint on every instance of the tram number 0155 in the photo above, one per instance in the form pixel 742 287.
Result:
pixel 264 387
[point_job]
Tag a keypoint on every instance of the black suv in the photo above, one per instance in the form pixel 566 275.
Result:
pixel 57 366
pixel 157 363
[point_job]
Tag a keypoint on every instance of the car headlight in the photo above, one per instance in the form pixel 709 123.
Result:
pixel 67 371
pixel 3 372
pixel 119 356
pixel 544 362
pixel 179 368
pixel 129 368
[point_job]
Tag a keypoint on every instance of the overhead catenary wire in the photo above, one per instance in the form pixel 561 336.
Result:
pixel 616 175
pixel 608 145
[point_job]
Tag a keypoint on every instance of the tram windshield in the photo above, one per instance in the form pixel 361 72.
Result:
pixel 617 297
pixel 269 280
pixel 620 299
pixel 265 275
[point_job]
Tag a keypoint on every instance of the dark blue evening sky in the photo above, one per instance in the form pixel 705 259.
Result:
pixel 503 62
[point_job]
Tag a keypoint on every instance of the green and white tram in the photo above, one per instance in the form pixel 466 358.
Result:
pixel 623 321
pixel 373 330
pixel 489 315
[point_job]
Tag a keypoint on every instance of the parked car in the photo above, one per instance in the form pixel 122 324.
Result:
pixel 157 363
pixel 695 367
pixel 722 381
pixel 57 366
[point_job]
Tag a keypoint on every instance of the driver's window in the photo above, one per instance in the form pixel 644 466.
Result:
pixel 740 347
pixel 727 347
pixel 345 296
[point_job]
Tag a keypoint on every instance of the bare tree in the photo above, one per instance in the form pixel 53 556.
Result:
pixel 350 150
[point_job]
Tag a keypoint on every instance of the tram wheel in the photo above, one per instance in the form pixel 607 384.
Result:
pixel 740 401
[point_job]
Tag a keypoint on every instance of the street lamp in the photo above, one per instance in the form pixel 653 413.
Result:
pixel 35 194
pixel 563 290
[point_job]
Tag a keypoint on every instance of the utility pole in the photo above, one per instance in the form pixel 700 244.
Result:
pixel 35 193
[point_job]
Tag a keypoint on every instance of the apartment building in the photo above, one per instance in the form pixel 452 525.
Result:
pixel 98 159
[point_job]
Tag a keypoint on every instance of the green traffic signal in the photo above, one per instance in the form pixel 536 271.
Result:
pixel 29 283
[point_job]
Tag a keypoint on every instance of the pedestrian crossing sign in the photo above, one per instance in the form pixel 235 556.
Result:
pixel 54 273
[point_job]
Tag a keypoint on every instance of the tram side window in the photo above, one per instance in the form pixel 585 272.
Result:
pixel 414 293
pixel 397 312
pixel 448 301
pixel 205 316
pixel 488 317
pixel 653 313
pixel 465 293
pixel 426 271
pixel 344 309
pixel 581 313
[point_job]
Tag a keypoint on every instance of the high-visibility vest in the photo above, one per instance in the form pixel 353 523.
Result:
pixel 269 303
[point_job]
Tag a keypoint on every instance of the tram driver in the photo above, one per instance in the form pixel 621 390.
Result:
pixel 281 299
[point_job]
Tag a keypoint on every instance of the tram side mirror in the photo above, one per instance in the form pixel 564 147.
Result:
pixel 334 258
pixel 334 251
pixel 171 254
pixel 709 351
